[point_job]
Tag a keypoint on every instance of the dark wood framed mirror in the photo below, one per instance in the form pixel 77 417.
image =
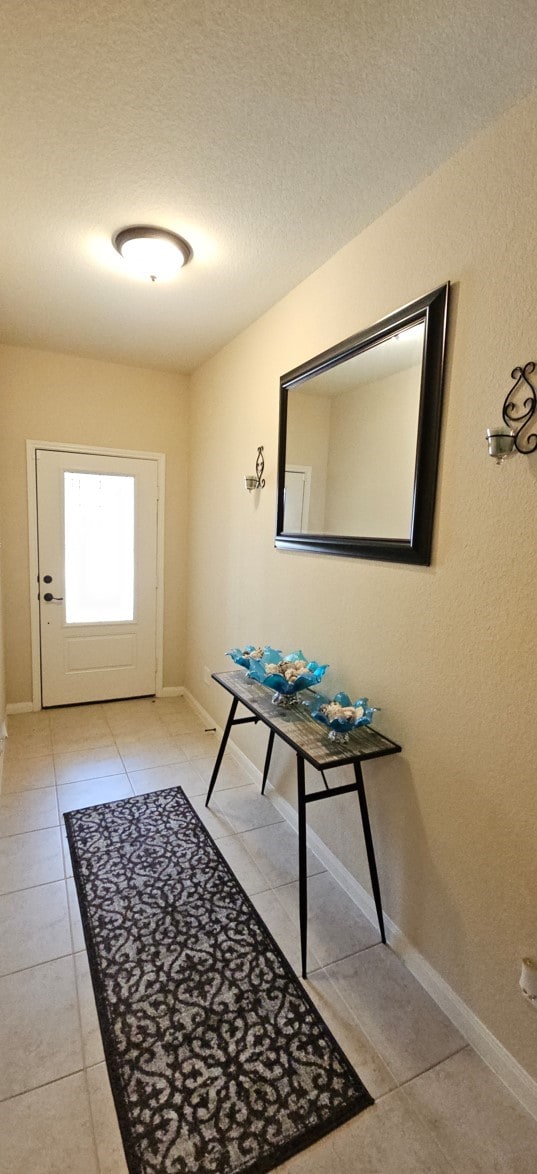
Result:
pixel 359 437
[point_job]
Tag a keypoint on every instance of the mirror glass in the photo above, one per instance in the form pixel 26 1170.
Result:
pixel 359 439
pixel 351 443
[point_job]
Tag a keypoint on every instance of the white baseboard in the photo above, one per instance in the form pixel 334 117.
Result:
pixel 202 712
pixel 166 691
pixel 502 1063
pixel 3 736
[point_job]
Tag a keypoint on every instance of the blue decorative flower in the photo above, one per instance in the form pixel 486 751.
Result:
pixel 287 675
pixel 339 714
pixel 246 656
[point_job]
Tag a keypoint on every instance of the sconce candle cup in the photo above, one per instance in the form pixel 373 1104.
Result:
pixel 287 676
pixel 256 481
pixel 501 442
pixel 340 715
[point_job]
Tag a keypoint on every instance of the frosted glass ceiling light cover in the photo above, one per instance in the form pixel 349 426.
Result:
pixel 152 252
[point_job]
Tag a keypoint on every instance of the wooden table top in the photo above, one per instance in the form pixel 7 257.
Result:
pixel 299 729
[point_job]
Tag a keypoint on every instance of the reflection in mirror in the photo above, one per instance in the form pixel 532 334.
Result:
pixel 351 443
pixel 359 438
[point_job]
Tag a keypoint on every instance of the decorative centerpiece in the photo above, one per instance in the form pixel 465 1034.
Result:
pixel 287 675
pixel 244 656
pixel 341 715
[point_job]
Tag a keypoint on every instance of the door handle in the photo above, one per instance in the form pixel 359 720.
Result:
pixel 50 598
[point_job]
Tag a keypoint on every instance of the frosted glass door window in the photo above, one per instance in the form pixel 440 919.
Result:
pixel 99 548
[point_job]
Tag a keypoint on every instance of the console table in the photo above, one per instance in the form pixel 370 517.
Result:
pixel 295 726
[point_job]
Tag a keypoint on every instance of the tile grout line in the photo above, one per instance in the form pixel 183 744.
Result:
pixel 30 832
pixel 84 1068
pixel 415 1111
pixel 45 1084
pixel 40 884
pixel 437 1064
pixel 343 958
pixel 42 961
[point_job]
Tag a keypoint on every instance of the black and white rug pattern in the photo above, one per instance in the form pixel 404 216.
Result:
pixel 218 1060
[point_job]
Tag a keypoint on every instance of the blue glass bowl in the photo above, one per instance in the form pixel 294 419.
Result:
pixel 244 656
pixel 339 726
pixel 282 676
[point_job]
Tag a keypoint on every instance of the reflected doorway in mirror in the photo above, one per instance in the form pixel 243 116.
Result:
pixel 297 497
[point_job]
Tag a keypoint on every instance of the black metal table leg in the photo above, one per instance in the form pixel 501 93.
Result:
pixel 267 761
pixel 302 874
pixel 223 744
pixel 369 846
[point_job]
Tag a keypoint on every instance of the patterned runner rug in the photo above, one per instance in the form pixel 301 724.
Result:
pixel 218 1060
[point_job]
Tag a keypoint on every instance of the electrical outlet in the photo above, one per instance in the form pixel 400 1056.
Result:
pixel 206 676
pixel 528 980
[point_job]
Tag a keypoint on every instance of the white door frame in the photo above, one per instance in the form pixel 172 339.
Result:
pixel 159 457
pixel 306 470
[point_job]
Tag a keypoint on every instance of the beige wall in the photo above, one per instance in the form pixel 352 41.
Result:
pixel 57 397
pixel 448 651
pixel 308 433
pixel 372 461
pixel 2 676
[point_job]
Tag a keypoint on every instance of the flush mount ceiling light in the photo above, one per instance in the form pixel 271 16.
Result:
pixel 150 252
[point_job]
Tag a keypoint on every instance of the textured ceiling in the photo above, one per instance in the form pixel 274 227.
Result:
pixel 267 133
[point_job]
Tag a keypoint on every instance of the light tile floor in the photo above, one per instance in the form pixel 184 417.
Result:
pixel 438 1108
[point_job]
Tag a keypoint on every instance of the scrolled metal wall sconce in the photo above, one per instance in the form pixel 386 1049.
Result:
pixel 256 481
pixel 519 408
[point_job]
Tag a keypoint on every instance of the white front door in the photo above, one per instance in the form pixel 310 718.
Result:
pixel 97 550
